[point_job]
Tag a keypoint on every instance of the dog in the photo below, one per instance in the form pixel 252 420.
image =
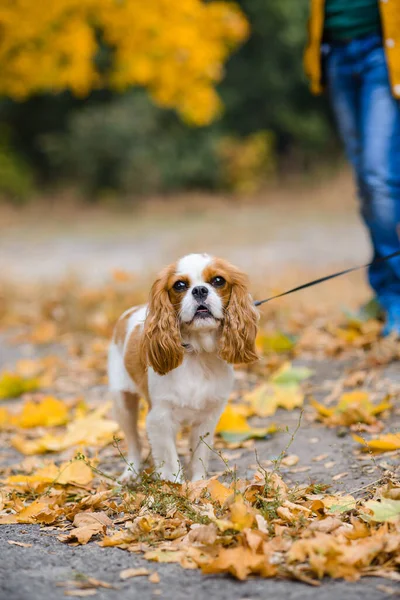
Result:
pixel 178 353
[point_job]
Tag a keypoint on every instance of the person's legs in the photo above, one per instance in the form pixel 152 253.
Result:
pixel 344 86
pixel 368 119
pixel 380 174
pixel 344 92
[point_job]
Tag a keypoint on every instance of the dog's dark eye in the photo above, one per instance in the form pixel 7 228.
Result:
pixel 180 286
pixel 217 281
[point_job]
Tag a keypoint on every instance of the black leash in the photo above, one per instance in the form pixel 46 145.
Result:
pixel 322 279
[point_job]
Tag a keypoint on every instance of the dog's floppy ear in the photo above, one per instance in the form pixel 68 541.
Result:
pixel 161 344
pixel 239 330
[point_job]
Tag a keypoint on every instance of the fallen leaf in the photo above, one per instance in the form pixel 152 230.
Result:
pixel 384 510
pixel 13 385
pixel 92 581
pixel 289 375
pixel 87 525
pixel 164 556
pixel 154 577
pixel 22 544
pixel 128 573
pixel 234 428
pixel 218 491
pixel 202 534
pixel 30 513
pixel 339 504
pixel 47 412
pixel 266 399
pixel 352 407
pixel 290 460
pixel 87 518
pixel 240 562
pixel 383 443
pixel 93 429
pixel 241 514
pixel 276 342
pixel 81 593
pixel 320 457
pixel 339 476
pixel 72 472
pixel 44 333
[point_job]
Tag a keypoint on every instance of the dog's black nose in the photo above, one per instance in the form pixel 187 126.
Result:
pixel 200 292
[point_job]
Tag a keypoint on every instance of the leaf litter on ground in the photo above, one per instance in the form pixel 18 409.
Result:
pixel 244 527
pixel 258 527
pixel 353 407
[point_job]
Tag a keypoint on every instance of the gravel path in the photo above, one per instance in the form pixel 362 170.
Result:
pixel 35 573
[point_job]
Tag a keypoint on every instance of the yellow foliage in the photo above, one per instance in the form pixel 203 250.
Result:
pixel 383 443
pixel 92 429
pixel 247 161
pixel 15 384
pixel 265 399
pixel 234 428
pixel 175 49
pixel 353 407
pixel 72 472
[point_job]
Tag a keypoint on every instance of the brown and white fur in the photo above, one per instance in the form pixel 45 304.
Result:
pixel 177 352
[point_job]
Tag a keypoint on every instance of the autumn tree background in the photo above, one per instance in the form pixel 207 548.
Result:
pixel 150 97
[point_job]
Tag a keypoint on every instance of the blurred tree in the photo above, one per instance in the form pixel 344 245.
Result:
pixel 265 87
pixel 130 145
pixel 120 139
pixel 175 49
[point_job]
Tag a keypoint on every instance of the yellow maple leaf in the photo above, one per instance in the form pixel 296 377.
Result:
pixel 48 412
pixel 265 399
pixel 38 511
pixel 13 385
pixel 92 430
pixel 383 443
pixel 241 514
pixel 384 510
pixel 218 491
pixel 233 427
pixel 71 472
pixel 276 342
pixel 240 562
pixel 352 407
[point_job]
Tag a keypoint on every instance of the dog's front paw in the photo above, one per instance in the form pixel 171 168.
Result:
pixel 168 475
pixel 198 476
pixel 129 475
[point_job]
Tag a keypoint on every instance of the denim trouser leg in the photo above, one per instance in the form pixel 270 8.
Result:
pixel 369 122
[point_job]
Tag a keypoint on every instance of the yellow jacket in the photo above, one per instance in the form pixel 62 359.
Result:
pixel 390 16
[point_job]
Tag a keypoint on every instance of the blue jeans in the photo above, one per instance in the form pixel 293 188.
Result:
pixel 368 118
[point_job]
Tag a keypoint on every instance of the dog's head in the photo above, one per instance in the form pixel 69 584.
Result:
pixel 199 293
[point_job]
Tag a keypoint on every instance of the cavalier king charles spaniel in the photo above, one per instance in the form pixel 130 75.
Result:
pixel 177 352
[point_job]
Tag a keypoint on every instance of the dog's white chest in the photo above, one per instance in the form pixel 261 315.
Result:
pixel 199 384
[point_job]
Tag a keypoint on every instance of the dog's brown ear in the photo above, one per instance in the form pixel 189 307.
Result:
pixel 239 331
pixel 161 342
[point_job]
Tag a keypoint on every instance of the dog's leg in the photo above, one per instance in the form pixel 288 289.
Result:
pixel 161 431
pixel 127 412
pixel 201 438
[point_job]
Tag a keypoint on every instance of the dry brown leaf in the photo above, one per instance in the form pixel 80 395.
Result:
pixel 22 544
pixel 326 525
pixel 290 460
pixel 240 562
pixel 81 593
pixel 128 573
pixel 383 443
pixel 218 491
pixel 88 518
pixel 205 535
pixel 339 476
pixel 154 577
